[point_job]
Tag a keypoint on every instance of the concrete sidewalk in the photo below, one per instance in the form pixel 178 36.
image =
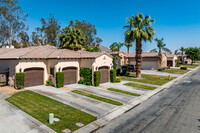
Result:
pixel 13 120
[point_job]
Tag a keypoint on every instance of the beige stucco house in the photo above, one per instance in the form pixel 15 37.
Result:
pixel 150 60
pixel 171 59
pixel 39 62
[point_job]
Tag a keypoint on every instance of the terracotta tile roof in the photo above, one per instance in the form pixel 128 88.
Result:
pixel 46 52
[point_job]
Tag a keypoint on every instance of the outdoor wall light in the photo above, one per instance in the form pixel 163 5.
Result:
pixel 59 69
pixel 20 70
pixel 96 68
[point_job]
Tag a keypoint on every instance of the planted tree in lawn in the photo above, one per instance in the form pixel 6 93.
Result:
pixel 12 19
pixel 182 50
pixel 117 46
pixel 113 48
pixel 139 28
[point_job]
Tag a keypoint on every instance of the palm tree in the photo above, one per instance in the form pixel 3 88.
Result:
pixel 113 48
pixel 128 45
pixel 139 29
pixel 182 50
pixel 176 52
pixel 116 46
pixel 161 46
pixel 71 38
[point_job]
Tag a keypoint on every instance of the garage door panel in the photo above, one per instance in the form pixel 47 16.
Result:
pixel 151 65
pixel 70 75
pixel 105 74
pixel 33 77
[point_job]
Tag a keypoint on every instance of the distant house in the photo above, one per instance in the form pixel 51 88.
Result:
pixel 171 59
pixel 150 60
pixel 39 62
pixel 120 58
pixel 186 60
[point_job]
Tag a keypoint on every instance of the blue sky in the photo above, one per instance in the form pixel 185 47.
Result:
pixel 177 21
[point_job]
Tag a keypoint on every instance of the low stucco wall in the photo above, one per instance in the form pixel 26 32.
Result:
pixel 10 64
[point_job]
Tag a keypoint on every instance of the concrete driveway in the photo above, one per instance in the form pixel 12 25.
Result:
pixel 86 104
pixel 13 120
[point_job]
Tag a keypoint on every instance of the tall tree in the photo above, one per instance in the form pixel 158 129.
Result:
pixel 193 53
pixel 49 30
pixel 139 29
pixel 71 38
pixel 117 46
pixel 113 48
pixel 13 18
pixel 182 50
pixel 35 38
pixel 89 32
pixel 4 32
pixel 176 52
pixel 24 39
pixel 128 45
pixel 161 46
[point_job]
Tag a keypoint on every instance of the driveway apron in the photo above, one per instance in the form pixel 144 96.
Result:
pixel 86 104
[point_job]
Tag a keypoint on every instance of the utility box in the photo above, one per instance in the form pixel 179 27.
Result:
pixel 51 117
pixel 3 78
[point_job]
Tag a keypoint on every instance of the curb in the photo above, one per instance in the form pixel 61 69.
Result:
pixel 131 104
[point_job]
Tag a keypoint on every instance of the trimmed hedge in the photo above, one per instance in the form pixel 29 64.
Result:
pixel 97 78
pixel 20 80
pixel 80 81
pixel 59 79
pixel 112 75
pixel 124 70
pixel 118 72
pixel 114 62
pixel 183 68
pixel 86 73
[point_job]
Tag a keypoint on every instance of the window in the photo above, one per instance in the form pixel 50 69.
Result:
pixel 52 71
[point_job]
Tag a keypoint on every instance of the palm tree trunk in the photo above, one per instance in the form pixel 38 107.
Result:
pixel 182 56
pixel 138 58
pixel 160 59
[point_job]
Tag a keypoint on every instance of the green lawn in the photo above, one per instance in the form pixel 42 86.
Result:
pixel 141 86
pixel 39 107
pixel 190 66
pixel 147 78
pixel 125 92
pixel 98 98
pixel 176 71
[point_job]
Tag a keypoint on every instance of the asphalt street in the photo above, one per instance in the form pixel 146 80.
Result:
pixel 174 110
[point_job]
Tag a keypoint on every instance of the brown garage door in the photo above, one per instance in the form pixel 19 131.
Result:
pixel 70 75
pixel 33 77
pixel 105 74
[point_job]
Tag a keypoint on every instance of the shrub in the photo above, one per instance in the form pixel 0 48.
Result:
pixel 160 69
pixel 178 65
pixel 80 81
pixel 20 80
pixel 168 67
pixel 124 70
pixel 59 79
pixel 86 73
pixel 97 78
pixel 118 72
pixel 88 83
pixel 117 80
pixel 183 68
pixel 112 75
pixel 49 82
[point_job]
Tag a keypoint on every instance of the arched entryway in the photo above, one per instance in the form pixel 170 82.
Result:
pixel 33 77
pixel 105 74
pixel 70 75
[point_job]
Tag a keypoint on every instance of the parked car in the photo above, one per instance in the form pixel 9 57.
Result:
pixel 131 68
